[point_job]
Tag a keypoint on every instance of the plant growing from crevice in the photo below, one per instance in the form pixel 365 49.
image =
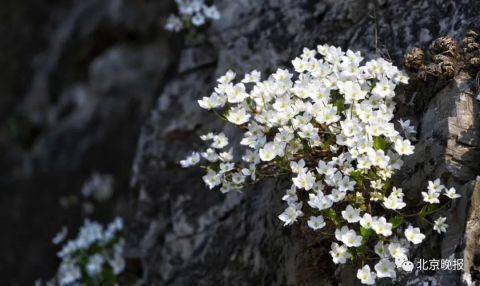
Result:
pixel 328 126
pixel 94 257
pixel 192 15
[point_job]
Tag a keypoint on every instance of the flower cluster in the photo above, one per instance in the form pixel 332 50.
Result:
pixel 329 127
pixel 191 12
pixel 98 186
pixel 94 257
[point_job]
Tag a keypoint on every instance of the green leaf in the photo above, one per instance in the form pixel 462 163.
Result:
pixel 428 210
pixel 360 201
pixel 396 221
pixel 365 233
pixel 357 176
pixel 362 249
pixel 332 216
pixel 379 143
pixel 340 104
pixel 387 185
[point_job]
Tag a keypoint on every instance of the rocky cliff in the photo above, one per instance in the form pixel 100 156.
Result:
pixel 186 234
pixel 109 90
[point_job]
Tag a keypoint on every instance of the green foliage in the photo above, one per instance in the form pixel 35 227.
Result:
pixel 397 221
pixel 379 143
pixel 332 215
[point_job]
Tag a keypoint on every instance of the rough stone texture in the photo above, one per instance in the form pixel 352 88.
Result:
pixel 80 77
pixel 186 234
pixel 472 245
pixel 448 148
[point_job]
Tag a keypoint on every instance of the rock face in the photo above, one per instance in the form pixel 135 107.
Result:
pixel 110 91
pixel 185 234
pixel 80 78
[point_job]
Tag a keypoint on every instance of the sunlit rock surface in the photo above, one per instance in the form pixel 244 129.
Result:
pixel 244 243
pixel 99 86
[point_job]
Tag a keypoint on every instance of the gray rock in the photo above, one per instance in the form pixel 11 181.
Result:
pixel 244 244
pixel 96 85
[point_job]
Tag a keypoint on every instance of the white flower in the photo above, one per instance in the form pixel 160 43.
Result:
pixel 366 221
pixel 380 249
pixel 330 109
pixel 339 253
pixel 351 239
pixel 236 93
pixel 394 203
pixel 117 263
pixel 304 180
pixel 397 250
pixel 290 195
pixel 431 197
pixel 226 156
pixel 298 167
pixel 219 141
pixel 214 101
pixel 327 115
pixel 352 91
pixel 366 276
pixel 377 184
pixel 414 235
pixel 337 196
pixel 211 179
pixel 405 125
pixel 68 273
pixel 290 215
pixel 439 225
pixel 452 193
pixel 385 268
pixel 325 169
pixel 225 167
pixel 198 19
pixel 401 78
pixel 211 12
pixel 316 222
pixel 174 24
pixel 403 147
pixel 346 184
pixel 381 226
pixel 210 154
pixel 60 236
pixel 191 160
pixel 351 214
pixel 383 89
pixel 89 251
pixel 348 236
pixel 227 77
pixel 398 192
pixel 319 201
pixel 238 116
pixel 267 153
pixel 100 186
pixel 94 265
pixel 254 76
pixel 238 178
pixel 435 186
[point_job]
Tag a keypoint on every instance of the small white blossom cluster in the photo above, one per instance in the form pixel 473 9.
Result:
pixel 98 186
pixel 94 257
pixel 191 12
pixel 434 191
pixel 329 126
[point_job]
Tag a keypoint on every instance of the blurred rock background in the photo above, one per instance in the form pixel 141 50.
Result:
pixel 98 86
pixel 78 79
